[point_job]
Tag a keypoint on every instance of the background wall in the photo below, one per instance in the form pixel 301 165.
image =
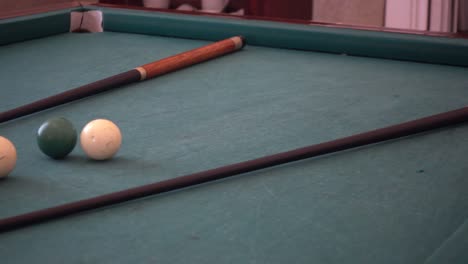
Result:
pixel 407 14
pixel 7 5
pixel 356 12
pixel 463 15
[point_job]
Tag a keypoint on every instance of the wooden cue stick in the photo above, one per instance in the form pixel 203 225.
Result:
pixel 141 73
pixel 358 140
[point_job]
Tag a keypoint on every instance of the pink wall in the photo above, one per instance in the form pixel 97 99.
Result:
pixel 354 12
pixel 407 14
pixel 432 15
pixel 463 16
pixel 441 16
pixel 11 5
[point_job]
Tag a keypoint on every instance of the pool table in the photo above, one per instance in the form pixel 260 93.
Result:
pixel 293 85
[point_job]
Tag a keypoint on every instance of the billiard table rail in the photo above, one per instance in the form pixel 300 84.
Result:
pixel 355 42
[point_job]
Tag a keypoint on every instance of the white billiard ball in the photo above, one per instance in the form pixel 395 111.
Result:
pixel 100 139
pixel 7 157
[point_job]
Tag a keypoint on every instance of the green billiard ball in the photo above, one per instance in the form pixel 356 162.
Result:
pixel 56 137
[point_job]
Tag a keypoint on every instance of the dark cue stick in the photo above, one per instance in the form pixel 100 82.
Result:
pixel 358 140
pixel 141 73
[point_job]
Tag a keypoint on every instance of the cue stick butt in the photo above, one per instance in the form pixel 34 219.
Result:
pixel 191 57
pixel 71 95
pixel 371 137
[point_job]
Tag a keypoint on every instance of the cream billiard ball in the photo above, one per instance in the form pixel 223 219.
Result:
pixel 100 139
pixel 7 157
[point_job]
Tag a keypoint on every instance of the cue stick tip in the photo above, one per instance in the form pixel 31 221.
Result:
pixel 239 42
pixel 244 42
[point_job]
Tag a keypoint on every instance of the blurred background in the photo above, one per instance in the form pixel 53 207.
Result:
pixel 426 15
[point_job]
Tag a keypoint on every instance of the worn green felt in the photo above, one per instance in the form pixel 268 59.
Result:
pixel 404 201
pixel 453 249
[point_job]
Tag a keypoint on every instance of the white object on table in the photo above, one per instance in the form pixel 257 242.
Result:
pixel 89 20
pixel 186 7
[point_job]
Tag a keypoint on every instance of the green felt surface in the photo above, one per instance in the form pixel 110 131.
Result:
pixel 404 201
